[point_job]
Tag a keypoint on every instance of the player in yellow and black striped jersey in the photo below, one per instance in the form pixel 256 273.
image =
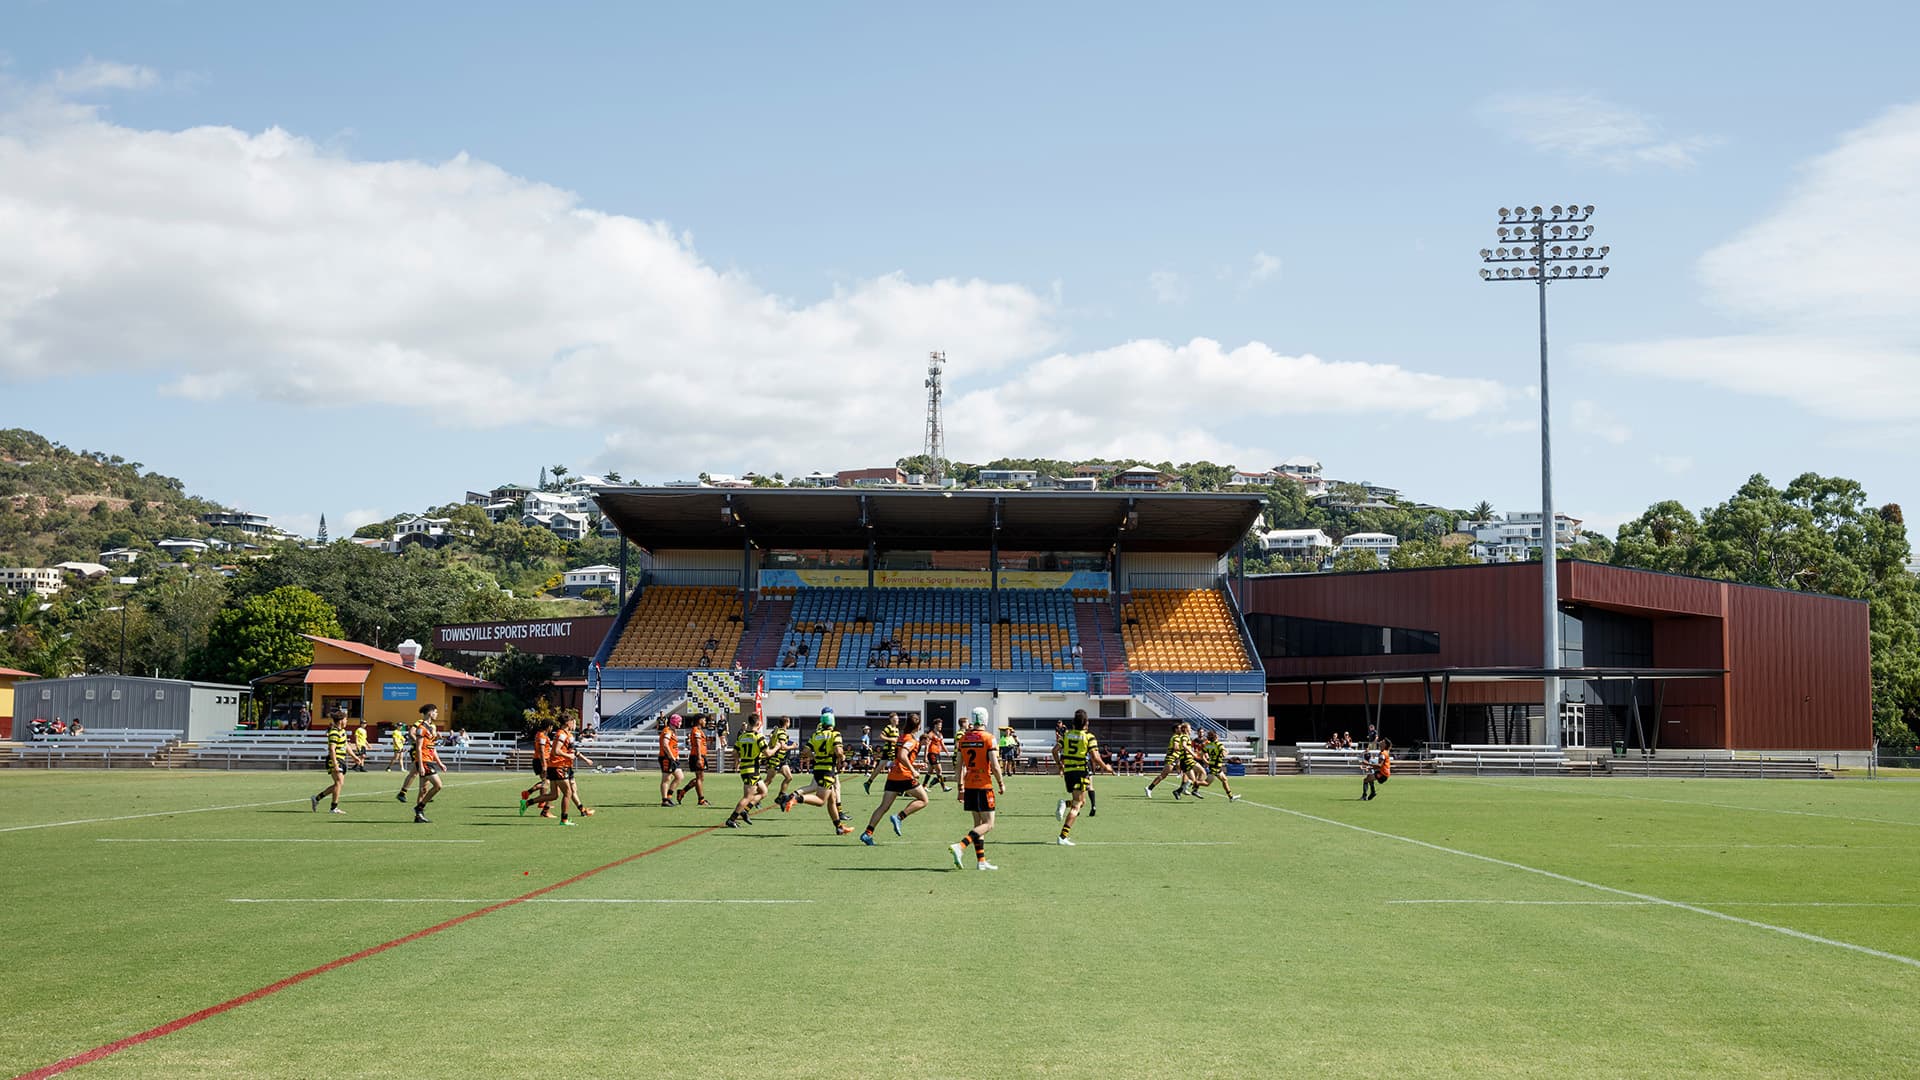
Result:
pixel 825 755
pixel 1180 760
pixel 889 746
pixel 340 755
pixel 1213 754
pixel 778 741
pixel 1078 754
pixel 750 749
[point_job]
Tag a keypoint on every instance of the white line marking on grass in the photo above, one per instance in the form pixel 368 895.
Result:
pixel 213 809
pixel 1628 893
pixel 261 840
pixel 1681 802
pixel 482 900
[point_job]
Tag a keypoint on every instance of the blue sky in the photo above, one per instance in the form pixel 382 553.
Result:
pixel 355 260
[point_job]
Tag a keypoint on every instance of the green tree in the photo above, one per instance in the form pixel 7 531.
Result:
pixel 1482 511
pixel 263 634
pixel 1430 552
pixel 1354 559
pixel 1666 538
pixel 522 676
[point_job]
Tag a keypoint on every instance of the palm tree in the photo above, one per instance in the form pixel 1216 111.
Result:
pixel 613 476
pixel 1482 511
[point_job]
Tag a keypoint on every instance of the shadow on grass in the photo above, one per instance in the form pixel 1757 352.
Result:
pixel 893 869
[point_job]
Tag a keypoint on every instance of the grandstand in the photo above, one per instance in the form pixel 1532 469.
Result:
pixel 1032 604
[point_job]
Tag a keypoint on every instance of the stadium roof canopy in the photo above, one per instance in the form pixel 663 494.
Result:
pixel 929 520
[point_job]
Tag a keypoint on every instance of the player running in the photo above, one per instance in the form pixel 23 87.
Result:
pixel 1076 753
pixel 340 755
pixel 561 755
pixel 697 749
pixel 542 742
pixel 1213 753
pixel 360 747
pixel 750 750
pixel 427 761
pixel 889 740
pixel 979 776
pixel 669 759
pixel 778 741
pixel 825 755
pixel 901 780
pixel 1178 759
pixel 936 747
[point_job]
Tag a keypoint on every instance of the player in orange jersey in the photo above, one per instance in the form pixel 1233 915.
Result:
pixel 902 779
pixel 561 755
pixel 542 740
pixel 427 760
pixel 1376 768
pixel 697 749
pixel 669 759
pixel 979 776
pixel 936 747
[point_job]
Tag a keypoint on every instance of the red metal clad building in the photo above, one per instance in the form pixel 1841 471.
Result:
pixel 1769 669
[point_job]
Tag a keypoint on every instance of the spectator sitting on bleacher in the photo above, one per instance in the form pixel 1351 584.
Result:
pixel 59 727
pixel 78 728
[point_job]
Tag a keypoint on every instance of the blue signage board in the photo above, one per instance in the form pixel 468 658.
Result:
pixel 1074 682
pixel 399 691
pixel 927 682
pixel 785 680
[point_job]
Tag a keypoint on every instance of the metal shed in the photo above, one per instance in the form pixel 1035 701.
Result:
pixel 200 710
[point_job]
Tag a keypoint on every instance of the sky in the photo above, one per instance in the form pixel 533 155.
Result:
pixel 356 259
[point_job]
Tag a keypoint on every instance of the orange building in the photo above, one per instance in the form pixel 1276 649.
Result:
pixel 9 676
pixel 381 688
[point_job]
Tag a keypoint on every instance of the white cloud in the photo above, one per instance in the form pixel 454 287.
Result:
pixel 1672 464
pixel 1168 287
pixel 1589 129
pixel 271 267
pixel 1832 272
pixel 92 75
pixel 1068 403
pixel 1264 267
pixel 1593 419
pixel 1828 280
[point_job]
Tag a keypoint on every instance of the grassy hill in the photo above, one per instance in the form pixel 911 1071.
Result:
pixel 58 503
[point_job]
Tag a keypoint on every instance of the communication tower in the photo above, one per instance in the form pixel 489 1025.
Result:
pixel 935 448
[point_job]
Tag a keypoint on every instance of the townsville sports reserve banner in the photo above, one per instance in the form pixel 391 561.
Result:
pixel 933 579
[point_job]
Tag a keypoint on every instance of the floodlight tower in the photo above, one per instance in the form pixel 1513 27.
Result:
pixel 1539 246
pixel 935 447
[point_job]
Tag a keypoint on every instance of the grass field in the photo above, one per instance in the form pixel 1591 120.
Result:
pixel 1451 927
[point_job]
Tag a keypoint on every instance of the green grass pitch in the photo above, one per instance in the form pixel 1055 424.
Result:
pixel 1451 927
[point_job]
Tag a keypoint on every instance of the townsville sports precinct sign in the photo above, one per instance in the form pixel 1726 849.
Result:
pixel 549 637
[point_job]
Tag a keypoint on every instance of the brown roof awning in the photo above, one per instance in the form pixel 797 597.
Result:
pixel 338 674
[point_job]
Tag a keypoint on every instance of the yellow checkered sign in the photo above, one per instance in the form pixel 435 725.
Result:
pixel 715 692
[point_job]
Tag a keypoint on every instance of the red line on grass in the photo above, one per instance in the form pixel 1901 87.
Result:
pixel 90 1056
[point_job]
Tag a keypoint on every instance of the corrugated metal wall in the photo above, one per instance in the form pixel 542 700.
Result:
pixel 1797 663
pixel 1799 675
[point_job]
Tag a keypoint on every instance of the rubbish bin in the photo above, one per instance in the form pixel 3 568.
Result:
pixel 1236 768
pixel 1619 748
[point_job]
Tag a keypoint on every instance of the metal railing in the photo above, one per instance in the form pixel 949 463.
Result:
pixel 1150 689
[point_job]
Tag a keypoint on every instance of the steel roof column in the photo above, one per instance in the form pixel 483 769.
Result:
pixel 993 566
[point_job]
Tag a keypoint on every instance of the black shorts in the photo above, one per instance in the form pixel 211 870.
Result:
pixel 825 781
pixel 979 800
pixel 539 768
pixel 558 774
pixel 898 787
pixel 699 765
pixel 429 768
pixel 669 764
pixel 749 778
pixel 1008 753
pixel 1076 780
